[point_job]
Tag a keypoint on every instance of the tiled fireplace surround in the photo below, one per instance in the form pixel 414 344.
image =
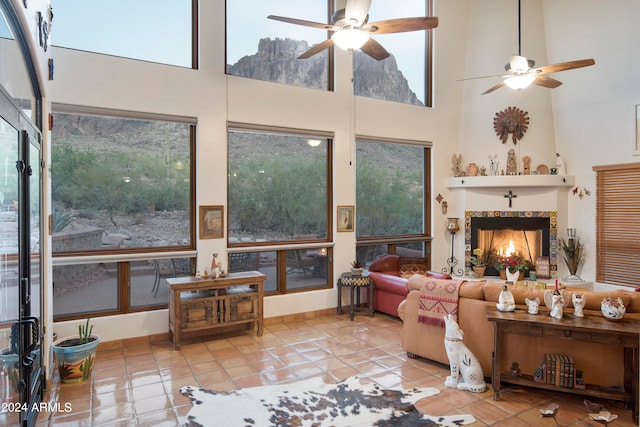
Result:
pixel 533 196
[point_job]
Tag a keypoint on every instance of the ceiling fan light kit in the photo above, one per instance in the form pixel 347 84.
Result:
pixel 350 38
pixel 519 82
pixel 352 30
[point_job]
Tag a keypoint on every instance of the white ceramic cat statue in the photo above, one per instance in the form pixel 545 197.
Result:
pixel 506 302
pixel 466 372
pixel 533 304
pixel 578 300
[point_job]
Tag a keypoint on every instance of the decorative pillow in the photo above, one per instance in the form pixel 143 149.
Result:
pixel 410 266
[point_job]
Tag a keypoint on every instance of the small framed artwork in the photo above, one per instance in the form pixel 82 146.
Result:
pixel 345 218
pixel 211 222
pixel 543 267
pixel 636 151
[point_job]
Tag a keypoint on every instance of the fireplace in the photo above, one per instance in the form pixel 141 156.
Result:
pixel 529 234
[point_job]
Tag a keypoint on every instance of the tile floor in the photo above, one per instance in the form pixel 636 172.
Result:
pixel 138 383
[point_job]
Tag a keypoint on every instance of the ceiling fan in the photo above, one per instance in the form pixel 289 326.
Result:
pixel 351 29
pixel 521 72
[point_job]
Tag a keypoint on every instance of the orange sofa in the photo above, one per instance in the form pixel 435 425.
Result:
pixel 600 363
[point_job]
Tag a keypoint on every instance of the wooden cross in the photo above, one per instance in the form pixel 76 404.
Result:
pixel 510 196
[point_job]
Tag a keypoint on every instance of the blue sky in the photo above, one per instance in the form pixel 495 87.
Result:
pixel 161 29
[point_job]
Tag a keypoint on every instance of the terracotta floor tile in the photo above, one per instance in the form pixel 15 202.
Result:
pixel 139 384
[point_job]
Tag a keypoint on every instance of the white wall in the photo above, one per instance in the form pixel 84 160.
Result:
pixel 592 109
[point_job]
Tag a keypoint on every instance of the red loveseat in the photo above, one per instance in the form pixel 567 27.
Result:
pixel 390 289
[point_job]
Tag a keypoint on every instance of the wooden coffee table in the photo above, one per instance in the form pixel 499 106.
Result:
pixel 590 328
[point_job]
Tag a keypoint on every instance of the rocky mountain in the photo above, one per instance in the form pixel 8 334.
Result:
pixel 276 60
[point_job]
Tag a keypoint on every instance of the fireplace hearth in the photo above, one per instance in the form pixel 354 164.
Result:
pixel 528 234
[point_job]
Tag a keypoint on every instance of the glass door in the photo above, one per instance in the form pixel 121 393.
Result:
pixel 21 372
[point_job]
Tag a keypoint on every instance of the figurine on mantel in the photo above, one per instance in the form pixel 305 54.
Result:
pixel 526 165
pixel 456 162
pixel 561 165
pixel 512 164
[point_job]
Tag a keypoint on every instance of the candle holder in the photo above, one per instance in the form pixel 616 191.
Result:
pixel 453 227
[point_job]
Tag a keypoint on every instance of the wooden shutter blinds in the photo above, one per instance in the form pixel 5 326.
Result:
pixel 618 224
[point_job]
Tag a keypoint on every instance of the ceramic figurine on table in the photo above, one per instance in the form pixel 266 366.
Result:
pixel 554 300
pixel 578 301
pixel 506 302
pixel 533 304
pixel 466 372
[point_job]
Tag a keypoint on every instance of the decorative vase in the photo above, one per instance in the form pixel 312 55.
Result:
pixel 74 360
pixel 479 270
pixel 471 170
pixel 512 277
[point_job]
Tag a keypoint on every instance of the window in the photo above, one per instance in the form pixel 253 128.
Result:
pixel 122 197
pixel 265 49
pixel 163 31
pixel 408 69
pixel 392 184
pixel 279 194
pixel 617 223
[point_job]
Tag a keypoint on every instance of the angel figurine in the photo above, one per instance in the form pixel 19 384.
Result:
pixel 554 300
pixel 532 304
pixel 578 300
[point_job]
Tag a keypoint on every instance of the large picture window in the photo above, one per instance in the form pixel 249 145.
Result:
pixel 405 76
pixel 163 31
pixel 279 189
pixel 122 197
pixel 392 184
pixel 264 49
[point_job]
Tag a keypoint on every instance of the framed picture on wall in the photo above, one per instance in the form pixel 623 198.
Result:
pixel 345 218
pixel 211 222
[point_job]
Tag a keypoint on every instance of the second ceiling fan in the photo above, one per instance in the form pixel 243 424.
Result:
pixel 521 72
pixel 351 29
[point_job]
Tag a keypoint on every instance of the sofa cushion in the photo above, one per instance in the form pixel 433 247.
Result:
pixel 472 289
pixel 410 266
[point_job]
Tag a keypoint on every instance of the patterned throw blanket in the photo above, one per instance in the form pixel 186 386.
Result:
pixel 437 298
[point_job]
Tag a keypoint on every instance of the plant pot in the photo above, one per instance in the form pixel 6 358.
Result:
pixel 357 271
pixel 75 360
pixel 479 270
pixel 503 275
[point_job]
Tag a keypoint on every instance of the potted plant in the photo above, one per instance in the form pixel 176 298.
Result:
pixel 357 268
pixel 514 263
pixel 478 262
pixel 75 355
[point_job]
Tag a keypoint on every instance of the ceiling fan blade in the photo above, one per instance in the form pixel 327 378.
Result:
pixel 374 49
pixel 547 82
pixel 303 22
pixel 356 11
pixel 492 88
pixel 563 66
pixel 317 49
pixel 481 77
pixel 402 25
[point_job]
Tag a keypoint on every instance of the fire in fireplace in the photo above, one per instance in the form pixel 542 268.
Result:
pixel 528 235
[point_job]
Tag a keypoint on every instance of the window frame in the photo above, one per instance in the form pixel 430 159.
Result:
pixel 281 247
pixel 393 241
pixel 330 51
pixel 124 257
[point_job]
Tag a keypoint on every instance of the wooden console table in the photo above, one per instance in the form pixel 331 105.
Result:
pixel 209 304
pixel 590 328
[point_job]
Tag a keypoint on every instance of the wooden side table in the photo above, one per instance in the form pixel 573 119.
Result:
pixel 590 328
pixel 355 282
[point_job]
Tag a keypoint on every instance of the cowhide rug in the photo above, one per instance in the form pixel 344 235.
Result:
pixel 314 403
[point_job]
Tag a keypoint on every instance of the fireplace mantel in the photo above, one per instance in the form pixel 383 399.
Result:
pixel 504 181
